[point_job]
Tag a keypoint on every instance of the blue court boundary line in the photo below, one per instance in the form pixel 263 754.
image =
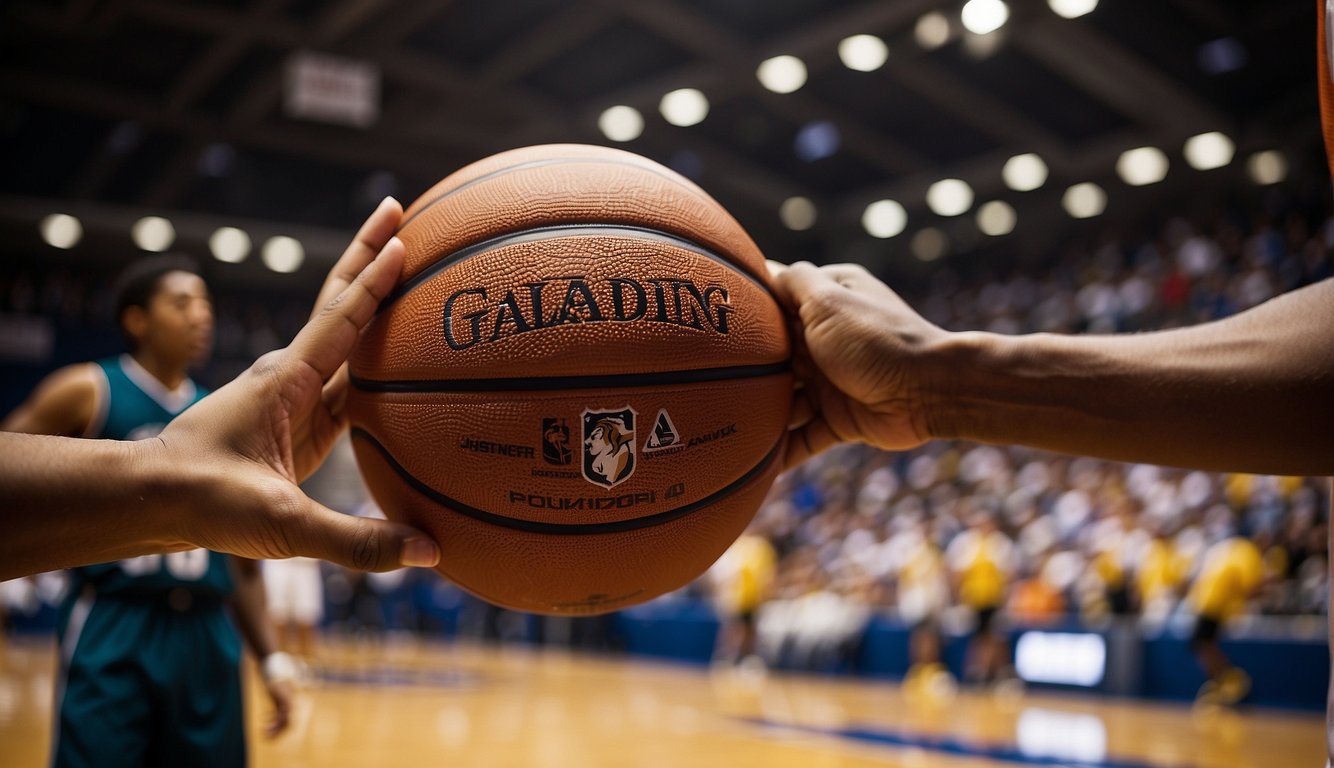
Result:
pixel 949 745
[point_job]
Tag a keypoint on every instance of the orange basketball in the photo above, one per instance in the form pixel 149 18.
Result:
pixel 580 386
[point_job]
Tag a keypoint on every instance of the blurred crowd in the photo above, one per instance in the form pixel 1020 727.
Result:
pixel 1038 537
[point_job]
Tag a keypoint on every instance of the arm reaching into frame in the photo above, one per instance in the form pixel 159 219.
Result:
pixel 1253 392
pixel 223 475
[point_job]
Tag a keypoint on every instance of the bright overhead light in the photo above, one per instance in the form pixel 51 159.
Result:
pixel 1084 201
pixel 884 218
pixel 153 233
pixel 684 107
pixel 1268 167
pixel 621 123
pixel 982 17
pixel 996 218
pixel 282 253
pixel 782 74
pixel 1024 173
pixel 929 244
pixel 61 230
pixel 864 53
pixel 1143 165
pixel 1208 151
pixel 229 245
pixel 932 30
pixel 949 197
pixel 797 213
pixel 1072 9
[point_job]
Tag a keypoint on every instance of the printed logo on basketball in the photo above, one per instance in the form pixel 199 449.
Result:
pixel 475 316
pixel 511 450
pixel 609 446
pixel 664 434
pixel 556 442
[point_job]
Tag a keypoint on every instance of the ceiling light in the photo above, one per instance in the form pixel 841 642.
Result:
pixel 1024 173
pixel 929 244
pixel 1209 150
pixel 884 218
pixel 1144 165
pixel 864 53
pixel 153 233
pixel 949 197
pixel 283 254
pixel 684 107
pixel 229 245
pixel 1268 167
pixel 782 74
pixel 932 30
pixel 621 123
pixel 996 218
pixel 982 17
pixel 797 213
pixel 1072 9
pixel 1084 201
pixel 61 230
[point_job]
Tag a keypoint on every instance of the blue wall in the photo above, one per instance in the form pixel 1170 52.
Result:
pixel 1289 673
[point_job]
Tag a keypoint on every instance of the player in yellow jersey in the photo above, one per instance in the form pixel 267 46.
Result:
pixel 1159 575
pixel 982 561
pixel 1232 571
pixel 742 581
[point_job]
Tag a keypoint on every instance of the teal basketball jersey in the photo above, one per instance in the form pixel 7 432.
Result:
pixel 133 405
pixel 149 658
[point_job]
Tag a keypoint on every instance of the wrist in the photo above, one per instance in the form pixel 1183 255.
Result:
pixel 960 371
pixel 157 476
pixel 279 667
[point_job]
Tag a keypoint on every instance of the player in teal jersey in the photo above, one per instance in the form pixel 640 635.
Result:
pixel 224 474
pixel 149 655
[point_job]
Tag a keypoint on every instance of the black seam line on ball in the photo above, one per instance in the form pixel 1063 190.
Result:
pixel 548 383
pixel 571 529
pixel 525 166
pixel 556 231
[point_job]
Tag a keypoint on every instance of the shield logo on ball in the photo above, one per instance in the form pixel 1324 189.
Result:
pixel 609 446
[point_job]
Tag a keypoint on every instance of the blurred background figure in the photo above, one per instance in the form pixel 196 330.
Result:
pixel 1232 571
pixel 982 561
pixel 923 596
pixel 296 603
pixel 740 583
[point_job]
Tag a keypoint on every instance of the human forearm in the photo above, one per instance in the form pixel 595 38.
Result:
pixel 1251 393
pixel 70 502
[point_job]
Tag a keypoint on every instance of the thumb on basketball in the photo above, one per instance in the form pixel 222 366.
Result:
pixel 360 543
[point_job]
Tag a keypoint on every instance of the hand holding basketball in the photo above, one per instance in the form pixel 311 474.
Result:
pixel 858 351
pixel 236 457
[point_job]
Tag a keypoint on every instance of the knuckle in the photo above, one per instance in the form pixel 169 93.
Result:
pixel 367 548
pixel 269 365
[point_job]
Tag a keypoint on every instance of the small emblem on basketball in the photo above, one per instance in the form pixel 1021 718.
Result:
pixel 609 446
pixel 556 442
pixel 664 434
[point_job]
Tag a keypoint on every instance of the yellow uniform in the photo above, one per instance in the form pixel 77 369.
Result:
pixel 1232 570
pixel 744 575
pixel 983 564
pixel 1160 572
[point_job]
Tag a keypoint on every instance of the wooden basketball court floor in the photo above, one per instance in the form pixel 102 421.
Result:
pixel 404 703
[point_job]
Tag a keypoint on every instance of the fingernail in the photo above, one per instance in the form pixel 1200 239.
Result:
pixel 385 201
pixel 419 553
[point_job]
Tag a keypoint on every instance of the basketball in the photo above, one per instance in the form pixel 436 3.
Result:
pixel 581 383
